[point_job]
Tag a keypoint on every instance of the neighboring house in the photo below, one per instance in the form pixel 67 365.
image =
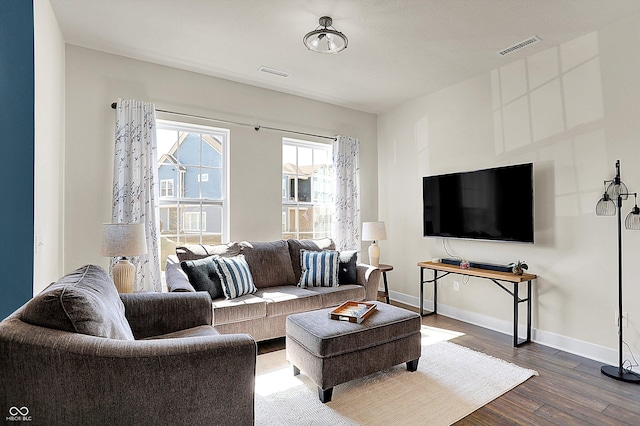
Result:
pixel 307 195
pixel 189 175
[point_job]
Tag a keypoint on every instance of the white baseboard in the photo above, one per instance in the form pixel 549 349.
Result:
pixel 546 338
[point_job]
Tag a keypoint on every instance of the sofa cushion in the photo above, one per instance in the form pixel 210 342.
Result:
pixel 198 331
pixel 200 251
pixel 203 276
pixel 334 296
pixel 85 301
pixel 347 267
pixel 241 309
pixel 287 299
pixel 313 245
pixel 269 263
pixel 319 268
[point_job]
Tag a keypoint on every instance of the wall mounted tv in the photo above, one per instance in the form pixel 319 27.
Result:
pixel 490 204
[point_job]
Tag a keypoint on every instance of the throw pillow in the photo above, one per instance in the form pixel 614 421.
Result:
pixel 347 267
pixel 295 246
pixel 319 268
pixel 203 276
pixel 85 301
pixel 235 276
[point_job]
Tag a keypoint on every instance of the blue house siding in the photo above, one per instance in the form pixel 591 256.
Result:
pixel 17 123
pixel 188 156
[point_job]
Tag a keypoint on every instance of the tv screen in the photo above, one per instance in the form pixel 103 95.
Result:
pixel 490 204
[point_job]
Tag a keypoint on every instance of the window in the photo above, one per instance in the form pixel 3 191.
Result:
pixel 192 171
pixel 195 221
pixel 166 188
pixel 307 189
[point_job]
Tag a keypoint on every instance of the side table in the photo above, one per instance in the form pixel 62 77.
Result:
pixel 384 269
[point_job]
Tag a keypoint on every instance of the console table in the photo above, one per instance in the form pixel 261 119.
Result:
pixel 495 276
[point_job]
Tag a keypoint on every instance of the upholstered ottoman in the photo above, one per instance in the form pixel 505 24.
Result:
pixel 331 352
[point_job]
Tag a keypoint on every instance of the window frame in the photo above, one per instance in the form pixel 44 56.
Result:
pixel 287 203
pixel 179 201
pixel 168 181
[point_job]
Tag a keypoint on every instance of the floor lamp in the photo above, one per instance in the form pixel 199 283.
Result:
pixel 616 190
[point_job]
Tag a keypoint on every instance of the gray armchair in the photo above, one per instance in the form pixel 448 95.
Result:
pixel 178 370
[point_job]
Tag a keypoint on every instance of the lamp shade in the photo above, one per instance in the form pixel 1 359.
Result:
pixel 632 221
pixel 373 231
pixel 606 206
pixel 325 38
pixel 123 239
pixel 617 188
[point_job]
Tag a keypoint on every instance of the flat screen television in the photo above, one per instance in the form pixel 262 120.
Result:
pixel 491 204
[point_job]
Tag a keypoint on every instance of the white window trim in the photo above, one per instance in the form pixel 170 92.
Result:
pixel 170 184
pixel 303 204
pixel 225 136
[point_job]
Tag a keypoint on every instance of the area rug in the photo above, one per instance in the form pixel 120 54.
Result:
pixel 451 382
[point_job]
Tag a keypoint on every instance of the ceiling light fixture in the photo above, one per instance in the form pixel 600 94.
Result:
pixel 325 38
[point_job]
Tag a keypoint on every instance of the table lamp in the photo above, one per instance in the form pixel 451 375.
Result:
pixel 374 231
pixel 123 240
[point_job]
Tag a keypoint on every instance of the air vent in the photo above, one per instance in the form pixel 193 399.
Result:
pixel 518 46
pixel 273 71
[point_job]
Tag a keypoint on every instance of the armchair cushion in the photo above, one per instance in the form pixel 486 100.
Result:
pixel 85 301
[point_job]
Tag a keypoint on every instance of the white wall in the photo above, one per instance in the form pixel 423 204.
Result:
pixel 95 80
pixel 49 146
pixel 573 111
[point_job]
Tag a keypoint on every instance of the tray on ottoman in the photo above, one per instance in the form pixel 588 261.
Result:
pixel 352 311
pixel 333 352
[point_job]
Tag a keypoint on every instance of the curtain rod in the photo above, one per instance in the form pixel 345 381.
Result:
pixel 256 127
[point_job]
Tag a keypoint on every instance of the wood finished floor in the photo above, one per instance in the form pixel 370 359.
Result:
pixel 570 389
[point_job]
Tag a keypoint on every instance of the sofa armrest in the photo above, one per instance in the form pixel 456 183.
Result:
pixel 177 280
pixel 56 374
pixel 368 276
pixel 153 314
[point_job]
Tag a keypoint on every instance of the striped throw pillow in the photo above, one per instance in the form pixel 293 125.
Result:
pixel 235 276
pixel 319 268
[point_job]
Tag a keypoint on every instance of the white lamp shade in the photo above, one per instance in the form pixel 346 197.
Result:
pixel 123 239
pixel 373 231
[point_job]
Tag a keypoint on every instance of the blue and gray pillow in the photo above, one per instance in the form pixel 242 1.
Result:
pixel 235 276
pixel 319 268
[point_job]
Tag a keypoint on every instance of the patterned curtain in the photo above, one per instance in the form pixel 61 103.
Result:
pixel 346 218
pixel 135 188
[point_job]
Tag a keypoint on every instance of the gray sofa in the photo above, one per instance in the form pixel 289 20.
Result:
pixel 276 270
pixel 79 353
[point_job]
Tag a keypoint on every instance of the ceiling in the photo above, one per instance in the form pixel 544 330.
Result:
pixel 398 49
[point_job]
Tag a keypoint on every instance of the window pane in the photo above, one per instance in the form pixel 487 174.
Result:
pixel 307 189
pixel 191 184
pixel 289 221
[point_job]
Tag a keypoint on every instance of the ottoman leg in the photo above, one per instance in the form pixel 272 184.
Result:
pixel 296 371
pixel 325 395
pixel 413 365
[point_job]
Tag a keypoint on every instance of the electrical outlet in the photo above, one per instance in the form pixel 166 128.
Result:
pixel 456 286
pixel 625 319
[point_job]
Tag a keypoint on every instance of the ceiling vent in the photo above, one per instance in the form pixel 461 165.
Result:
pixel 518 46
pixel 274 71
